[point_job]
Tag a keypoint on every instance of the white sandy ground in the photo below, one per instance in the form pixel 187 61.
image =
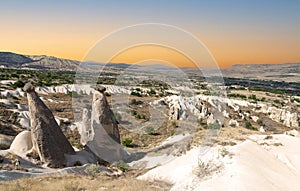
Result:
pixel 153 158
pixel 255 164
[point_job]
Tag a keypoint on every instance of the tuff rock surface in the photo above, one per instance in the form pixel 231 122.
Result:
pixel 47 137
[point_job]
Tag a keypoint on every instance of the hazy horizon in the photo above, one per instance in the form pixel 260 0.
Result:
pixel 150 63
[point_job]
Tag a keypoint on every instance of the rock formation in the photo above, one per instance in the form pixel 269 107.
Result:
pixel 22 143
pixel 87 132
pixel 103 138
pixel 186 108
pixel 102 114
pixel 5 142
pixel 233 123
pixel 281 115
pixel 47 137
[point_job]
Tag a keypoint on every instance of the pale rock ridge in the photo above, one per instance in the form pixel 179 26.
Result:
pixel 79 88
pixel 281 115
pixel 181 107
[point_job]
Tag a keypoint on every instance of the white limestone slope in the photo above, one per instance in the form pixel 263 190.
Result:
pixel 255 164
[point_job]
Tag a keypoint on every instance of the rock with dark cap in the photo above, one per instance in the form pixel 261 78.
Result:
pixel 28 87
pixel 100 88
pixel 102 114
pixel 105 139
pixel 47 137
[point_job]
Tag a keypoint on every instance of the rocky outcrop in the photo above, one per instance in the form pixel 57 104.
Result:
pixel 47 137
pixel 293 133
pixel 21 144
pixel 211 108
pixel 80 89
pixel 233 123
pixel 102 114
pixel 187 108
pixel 5 142
pixel 87 132
pixel 288 118
pixel 103 138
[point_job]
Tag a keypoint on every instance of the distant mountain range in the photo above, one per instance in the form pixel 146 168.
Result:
pixel 13 60
pixel 289 72
pixel 284 72
pixel 42 62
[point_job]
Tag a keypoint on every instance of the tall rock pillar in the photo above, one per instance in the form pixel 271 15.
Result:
pixel 47 137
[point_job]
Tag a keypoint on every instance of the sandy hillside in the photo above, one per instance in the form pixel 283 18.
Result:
pixel 259 163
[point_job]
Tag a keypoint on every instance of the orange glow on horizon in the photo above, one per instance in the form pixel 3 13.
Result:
pixel 265 33
pixel 76 46
pixel 151 52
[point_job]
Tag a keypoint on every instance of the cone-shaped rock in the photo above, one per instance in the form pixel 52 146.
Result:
pixel 47 137
pixel 104 141
pixel 103 115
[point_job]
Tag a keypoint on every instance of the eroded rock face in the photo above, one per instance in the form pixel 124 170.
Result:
pixel 288 118
pixel 47 137
pixel 103 138
pixel 87 132
pixel 182 108
pixel 103 115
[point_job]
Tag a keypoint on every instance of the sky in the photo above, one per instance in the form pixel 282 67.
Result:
pixel 234 31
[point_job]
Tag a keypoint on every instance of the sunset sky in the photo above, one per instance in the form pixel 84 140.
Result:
pixel 234 31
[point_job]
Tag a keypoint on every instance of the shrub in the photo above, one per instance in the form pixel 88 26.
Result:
pixel 14 75
pixel 143 116
pixel 127 142
pixel 18 84
pixel 260 122
pixel 73 186
pixel 92 170
pixel 295 100
pixel 237 95
pixel 123 166
pixel 73 94
pixel 206 168
pixel 133 102
pixel 150 130
pixel 224 152
pixel 174 123
pixel 152 92
pixel 213 126
pixel 253 97
pixel 133 112
pixel 136 94
pixel 249 126
pixel 279 102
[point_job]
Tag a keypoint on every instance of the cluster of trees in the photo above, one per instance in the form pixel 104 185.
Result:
pixel 38 77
